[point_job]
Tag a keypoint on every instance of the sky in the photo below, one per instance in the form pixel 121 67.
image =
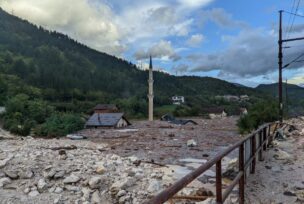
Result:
pixel 234 40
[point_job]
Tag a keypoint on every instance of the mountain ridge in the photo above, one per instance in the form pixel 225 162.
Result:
pixel 67 71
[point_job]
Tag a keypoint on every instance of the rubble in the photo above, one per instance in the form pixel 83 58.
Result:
pixel 191 143
pixel 123 170
pixel 278 178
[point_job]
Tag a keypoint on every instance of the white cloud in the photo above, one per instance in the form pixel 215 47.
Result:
pixel 195 40
pixel 250 53
pixel 194 3
pixel 90 23
pixel 221 18
pixel 162 50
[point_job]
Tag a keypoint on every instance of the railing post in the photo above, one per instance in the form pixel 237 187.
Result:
pixel 242 179
pixel 265 138
pixel 253 150
pixel 219 195
pixel 260 144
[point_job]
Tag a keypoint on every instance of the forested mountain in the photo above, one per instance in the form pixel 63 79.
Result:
pixel 294 97
pixel 68 72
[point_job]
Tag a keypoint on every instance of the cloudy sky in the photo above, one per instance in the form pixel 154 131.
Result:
pixel 233 40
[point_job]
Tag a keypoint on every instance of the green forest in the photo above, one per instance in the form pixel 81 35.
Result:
pixel 48 80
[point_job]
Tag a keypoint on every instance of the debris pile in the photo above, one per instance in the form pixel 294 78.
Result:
pixel 44 171
pixel 280 178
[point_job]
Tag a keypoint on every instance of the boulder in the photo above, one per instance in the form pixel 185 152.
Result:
pixel 100 169
pixel 11 174
pixel 154 186
pixel 191 143
pixel 4 162
pixel 42 185
pixel 96 198
pixel 58 174
pixel 58 190
pixel 34 193
pixel 25 174
pixel 71 179
pixel 4 181
pixel 95 182
pixel 281 155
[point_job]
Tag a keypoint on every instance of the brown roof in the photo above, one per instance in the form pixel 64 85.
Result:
pixel 105 107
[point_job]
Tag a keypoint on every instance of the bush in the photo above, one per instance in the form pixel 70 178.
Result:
pixel 60 124
pixel 23 114
pixel 261 112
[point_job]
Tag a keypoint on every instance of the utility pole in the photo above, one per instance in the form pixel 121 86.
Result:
pixel 280 42
pixel 286 95
pixel 280 68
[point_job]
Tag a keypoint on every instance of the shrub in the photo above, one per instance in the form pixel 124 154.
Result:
pixel 23 114
pixel 261 112
pixel 60 124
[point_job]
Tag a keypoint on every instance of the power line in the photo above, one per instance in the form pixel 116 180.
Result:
pixel 290 28
pixel 293 5
pixel 296 11
pixel 295 60
pixel 295 14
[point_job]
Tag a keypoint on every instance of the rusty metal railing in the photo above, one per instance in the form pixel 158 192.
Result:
pixel 264 137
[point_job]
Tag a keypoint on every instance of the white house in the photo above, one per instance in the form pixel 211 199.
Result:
pixel 178 100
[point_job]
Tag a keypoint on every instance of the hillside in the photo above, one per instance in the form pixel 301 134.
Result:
pixel 73 77
pixel 295 95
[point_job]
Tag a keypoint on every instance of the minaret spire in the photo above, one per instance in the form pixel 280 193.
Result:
pixel 150 94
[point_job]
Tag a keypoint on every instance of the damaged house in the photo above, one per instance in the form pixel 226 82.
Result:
pixel 215 112
pixel 107 120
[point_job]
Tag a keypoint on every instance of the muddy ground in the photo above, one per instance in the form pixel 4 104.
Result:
pixel 166 143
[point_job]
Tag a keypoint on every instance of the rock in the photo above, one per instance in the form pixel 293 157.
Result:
pixel 34 193
pixel 11 174
pixel 300 195
pixel 204 192
pixel 42 185
pixel 27 174
pixel 191 143
pixel 26 190
pixel 95 182
pixel 205 155
pixel 4 162
pixel 85 194
pixel 123 199
pixel 56 200
pixel 58 174
pixel 62 152
pixel 4 181
pixel 289 193
pixel 281 155
pixel 280 135
pixel 52 189
pixel 96 198
pixel 121 193
pixel 121 184
pixel 71 179
pixel 268 167
pixel 154 186
pixel 72 188
pixel 58 190
pixel 100 169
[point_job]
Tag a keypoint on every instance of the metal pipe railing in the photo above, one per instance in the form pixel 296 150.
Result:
pixel 265 138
